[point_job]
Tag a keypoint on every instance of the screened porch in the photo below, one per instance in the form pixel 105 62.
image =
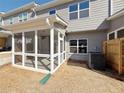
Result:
pixel 41 50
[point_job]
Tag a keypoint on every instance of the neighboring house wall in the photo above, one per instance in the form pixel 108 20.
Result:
pixel 117 5
pixel 95 41
pixel 117 24
pixel 5 58
pixel 15 17
pixel 98 12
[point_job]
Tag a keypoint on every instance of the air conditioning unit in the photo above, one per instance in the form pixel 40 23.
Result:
pixel 96 61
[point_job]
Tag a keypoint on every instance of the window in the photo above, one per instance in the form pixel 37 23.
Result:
pixel 78 46
pixel 23 17
pixel 20 18
pixel 1 20
pixel 120 33
pixel 73 12
pixel 10 20
pixel 79 10
pixel 52 12
pixel 111 36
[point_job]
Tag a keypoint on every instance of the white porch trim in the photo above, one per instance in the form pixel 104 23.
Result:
pixel 52 49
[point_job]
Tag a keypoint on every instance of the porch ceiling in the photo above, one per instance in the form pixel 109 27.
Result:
pixel 37 22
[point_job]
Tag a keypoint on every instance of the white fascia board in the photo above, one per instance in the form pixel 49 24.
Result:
pixel 22 8
pixel 119 14
pixel 52 4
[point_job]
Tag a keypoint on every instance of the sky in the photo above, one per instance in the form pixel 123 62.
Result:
pixel 7 5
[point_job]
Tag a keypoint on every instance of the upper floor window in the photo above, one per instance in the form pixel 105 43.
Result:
pixel 52 12
pixel 1 20
pixel 73 11
pixel 23 17
pixel 10 20
pixel 79 10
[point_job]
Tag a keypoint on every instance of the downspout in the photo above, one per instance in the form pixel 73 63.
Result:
pixel 110 7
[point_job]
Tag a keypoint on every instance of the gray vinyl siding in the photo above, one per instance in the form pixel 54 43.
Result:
pixel 95 41
pixel 96 21
pixel 117 24
pixel 118 5
pixel 15 17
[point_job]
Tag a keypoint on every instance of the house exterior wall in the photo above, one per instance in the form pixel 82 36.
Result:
pixel 117 5
pixel 98 12
pixel 95 40
pixel 5 58
pixel 93 27
pixel 16 18
pixel 117 24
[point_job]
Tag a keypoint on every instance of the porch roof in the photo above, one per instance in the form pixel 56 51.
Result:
pixel 37 22
pixel 116 15
pixel 5 33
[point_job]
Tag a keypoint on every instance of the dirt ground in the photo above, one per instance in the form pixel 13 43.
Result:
pixel 70 78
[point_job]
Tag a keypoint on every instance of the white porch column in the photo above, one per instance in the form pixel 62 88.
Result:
pixel 13 47
pixel 63 48
pixel 23 49
pixel 52 49
pixel 116 36
pixel 36 50
pixel 59 48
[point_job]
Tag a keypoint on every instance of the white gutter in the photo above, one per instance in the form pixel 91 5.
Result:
pixel 53 3
pixel 20 9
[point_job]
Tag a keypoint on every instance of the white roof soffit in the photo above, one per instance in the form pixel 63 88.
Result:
pixel 55 18
pixel 36 22
pixel 20 9
pixel 5 33
pixel 52 4
pixel 116 15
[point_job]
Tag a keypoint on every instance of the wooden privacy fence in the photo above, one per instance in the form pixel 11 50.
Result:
pixel 114 53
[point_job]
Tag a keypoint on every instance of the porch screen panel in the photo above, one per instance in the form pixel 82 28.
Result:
pixel 55 41
pixel 30 61
pixel 18 42
pixel 18 59
pixel 43 42
pixel 30 42
pixel 44 63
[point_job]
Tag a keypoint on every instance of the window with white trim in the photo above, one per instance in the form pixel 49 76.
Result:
pixel 79 10
pixel 120 33
pixel 23 17
pixel 11 20
pixel 52 12
pixel 112 36
pixel 1 20
pixel 79 46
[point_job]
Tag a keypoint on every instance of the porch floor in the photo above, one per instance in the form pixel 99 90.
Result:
pixel 70 78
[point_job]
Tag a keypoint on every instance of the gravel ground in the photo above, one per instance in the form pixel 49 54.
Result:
pixel 70 78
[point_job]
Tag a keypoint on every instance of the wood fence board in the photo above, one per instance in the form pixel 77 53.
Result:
pixel 114 53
